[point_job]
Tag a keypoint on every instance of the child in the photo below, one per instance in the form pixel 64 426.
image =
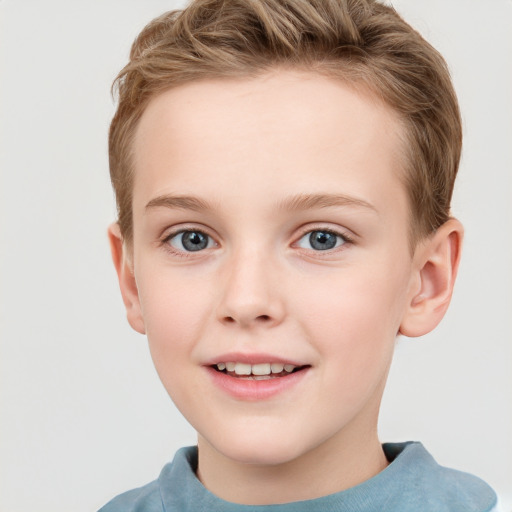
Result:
pixel 283 172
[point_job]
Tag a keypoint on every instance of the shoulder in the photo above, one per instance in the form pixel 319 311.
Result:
pixel 425 485
pixel 451 490
pixel 142 499
pixel 172 486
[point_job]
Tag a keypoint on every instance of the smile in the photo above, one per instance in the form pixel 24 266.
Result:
pixel 260 371
pixel 248 380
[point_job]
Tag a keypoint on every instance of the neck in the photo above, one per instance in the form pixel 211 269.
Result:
pixel 347 459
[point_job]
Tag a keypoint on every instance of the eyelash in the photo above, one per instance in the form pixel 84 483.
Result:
pixel 345 240
pixel 177 252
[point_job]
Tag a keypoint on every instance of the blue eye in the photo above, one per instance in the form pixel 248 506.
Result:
pixel 321 240
pixel 190 241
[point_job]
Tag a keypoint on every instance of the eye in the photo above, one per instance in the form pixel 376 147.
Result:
pixel 321 240
pixel 190 241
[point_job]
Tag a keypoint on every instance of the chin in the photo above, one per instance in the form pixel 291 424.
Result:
pixel 260 450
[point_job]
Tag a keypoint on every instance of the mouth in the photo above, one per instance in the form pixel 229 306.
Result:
pixel 256 377
pixel 259 371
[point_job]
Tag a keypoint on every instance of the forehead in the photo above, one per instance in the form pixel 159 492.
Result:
pixel 299 131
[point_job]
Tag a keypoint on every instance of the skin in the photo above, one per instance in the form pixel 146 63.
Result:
pixel 245 147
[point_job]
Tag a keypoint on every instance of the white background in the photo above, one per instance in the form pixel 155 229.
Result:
pixel 83 416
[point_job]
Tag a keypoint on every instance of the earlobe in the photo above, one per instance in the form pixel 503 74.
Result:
pixel 436 262
pixel 127 283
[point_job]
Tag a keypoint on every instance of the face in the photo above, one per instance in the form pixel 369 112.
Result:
pixel 271 259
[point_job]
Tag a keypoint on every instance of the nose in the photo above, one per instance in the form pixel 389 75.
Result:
pixel 251 293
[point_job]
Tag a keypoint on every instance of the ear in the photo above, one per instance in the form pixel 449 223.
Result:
pixel 435 265
pixel 124 267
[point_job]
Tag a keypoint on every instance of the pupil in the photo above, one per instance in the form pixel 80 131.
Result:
pixel 194 241
pixel 322 240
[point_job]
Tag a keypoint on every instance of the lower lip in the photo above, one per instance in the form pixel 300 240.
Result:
pixel 246 389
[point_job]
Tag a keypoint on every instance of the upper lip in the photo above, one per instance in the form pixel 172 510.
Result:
pixel 254 358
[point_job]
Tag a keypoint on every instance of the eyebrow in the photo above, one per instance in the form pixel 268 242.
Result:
pixel 311 201
pixel 180 202
pixel 294 203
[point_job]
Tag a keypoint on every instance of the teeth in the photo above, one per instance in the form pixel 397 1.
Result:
pixel 276 367
pixel 261 369
pixel 242 369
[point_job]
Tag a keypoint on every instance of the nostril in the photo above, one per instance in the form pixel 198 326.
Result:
pixel 247 320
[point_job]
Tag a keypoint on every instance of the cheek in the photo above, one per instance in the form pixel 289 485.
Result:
pixel 175 311
pixel 354 318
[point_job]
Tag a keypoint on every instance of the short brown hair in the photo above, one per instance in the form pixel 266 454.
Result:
pixel 362 42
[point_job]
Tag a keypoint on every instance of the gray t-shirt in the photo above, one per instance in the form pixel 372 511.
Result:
pixel 413 482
